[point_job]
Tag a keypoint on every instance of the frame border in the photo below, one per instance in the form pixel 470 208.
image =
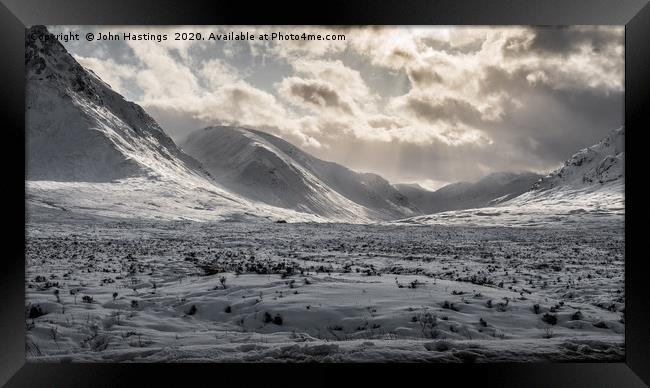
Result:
pixel 15 15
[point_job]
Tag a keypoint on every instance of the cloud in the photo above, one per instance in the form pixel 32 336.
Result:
pixel 163 79
pixel 430 103
pixel 453 110
pixel 570 40
pixel 423 76
pixel 345 79
pixel 218 73
pixel 313 93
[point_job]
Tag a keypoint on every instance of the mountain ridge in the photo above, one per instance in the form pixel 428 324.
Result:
pixel 261 166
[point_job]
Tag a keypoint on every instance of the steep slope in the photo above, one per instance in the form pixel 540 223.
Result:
pixel 592 180
pixel 492 189
pixel 79 129
pixel 265 168
pixel 597 165
pixel 91 151
pixel 587 191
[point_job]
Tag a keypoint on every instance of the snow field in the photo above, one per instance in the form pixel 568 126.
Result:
pixel 234 291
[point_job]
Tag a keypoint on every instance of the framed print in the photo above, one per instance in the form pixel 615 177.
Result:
pixel 385 189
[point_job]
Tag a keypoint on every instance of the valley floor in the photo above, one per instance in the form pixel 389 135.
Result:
pixel 154 291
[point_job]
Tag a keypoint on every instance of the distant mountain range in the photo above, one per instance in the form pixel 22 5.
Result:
pixel 490 190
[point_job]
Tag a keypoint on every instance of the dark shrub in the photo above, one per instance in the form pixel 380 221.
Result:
pixel 442 346
pixel 466 356
pixel 549 318
pixel 228 309
pixel 600 325
pixel 536 308
pixel 277 319
pixel 87 299
pixel 576 316
pixel 35 312
pixel 192 310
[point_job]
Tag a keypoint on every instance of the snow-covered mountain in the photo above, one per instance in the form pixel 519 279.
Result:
pixel 263 167
pixel 587 190
pixel 599 164
pixel 90 150
pixel 489 190
pixel 79 129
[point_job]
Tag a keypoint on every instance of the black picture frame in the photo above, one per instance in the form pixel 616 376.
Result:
pixel 15 15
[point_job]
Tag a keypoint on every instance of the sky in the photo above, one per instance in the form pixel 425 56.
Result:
pixel 430 105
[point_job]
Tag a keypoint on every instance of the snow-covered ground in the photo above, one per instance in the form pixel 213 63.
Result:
pixel 113 290
pixel 156 199
pixel 583 207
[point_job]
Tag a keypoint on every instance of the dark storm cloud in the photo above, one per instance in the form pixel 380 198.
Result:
pixel 555 122
pixel 565 40
pixel 401 54
pixel 317 93
pixel 449 109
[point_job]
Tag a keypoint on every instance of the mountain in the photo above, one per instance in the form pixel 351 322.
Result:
pixel 263 167
pixel 588 190
pixel 599 164
pixel 79 129
pixel 90 150
pixel 592 180
pixel 490 190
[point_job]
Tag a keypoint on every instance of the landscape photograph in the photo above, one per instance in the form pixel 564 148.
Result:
pixel 438 194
